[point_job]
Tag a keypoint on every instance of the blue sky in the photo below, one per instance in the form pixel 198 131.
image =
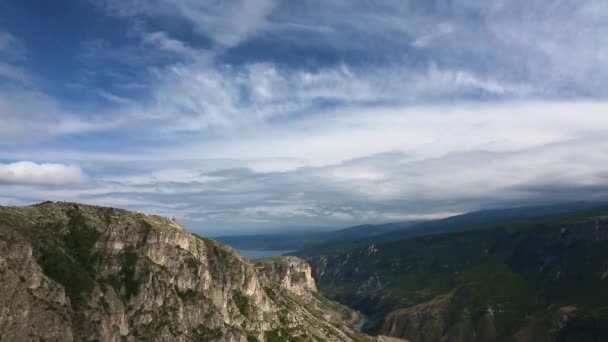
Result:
pixel 261 115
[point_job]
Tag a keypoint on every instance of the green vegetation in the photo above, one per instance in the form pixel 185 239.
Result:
pixel 68 258
pixel 192 263
pixel 282 335
pixel 81 239
pixel 44 203
pixel 164 318
pixel 321 298
pixel 145 225
pixel 128 271
pixel 107 215
pixel 205 334
pixel 270 293
pixel 242 303
pixel 99 250
pixel 518 269
pixel 188 296
pixel 484 219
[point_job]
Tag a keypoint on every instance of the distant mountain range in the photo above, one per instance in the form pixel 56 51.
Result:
pixel 77 272
pixel 303 240
pixel 311 243
pixel 485 276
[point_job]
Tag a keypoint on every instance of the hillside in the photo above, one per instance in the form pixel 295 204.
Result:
pixel 381 233
pixel 309 243
pixel 270 242
pixel 72 272
pixel 541 279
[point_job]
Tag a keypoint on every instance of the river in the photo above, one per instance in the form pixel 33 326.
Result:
pixel 359 326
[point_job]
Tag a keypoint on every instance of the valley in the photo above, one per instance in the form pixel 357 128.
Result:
pixel 540 279
pixel 86 272
pixel 303 171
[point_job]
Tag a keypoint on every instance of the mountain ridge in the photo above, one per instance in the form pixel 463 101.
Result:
pixel 71 272
pixel 540 279
pixel 402 230
pixel 308 243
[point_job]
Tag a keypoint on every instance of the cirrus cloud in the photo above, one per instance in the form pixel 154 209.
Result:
pixel 268 114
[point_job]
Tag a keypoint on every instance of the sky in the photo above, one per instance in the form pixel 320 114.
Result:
pixel 251 116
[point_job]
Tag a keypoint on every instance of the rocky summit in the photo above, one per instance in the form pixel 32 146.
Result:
pixel 73 272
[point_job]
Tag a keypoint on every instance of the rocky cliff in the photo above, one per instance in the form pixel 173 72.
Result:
pixel 72 272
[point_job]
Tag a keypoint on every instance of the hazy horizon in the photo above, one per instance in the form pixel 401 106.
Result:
pixel 264 115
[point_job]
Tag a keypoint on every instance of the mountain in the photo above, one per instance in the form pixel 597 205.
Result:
pixel 366 231
pixel 73 272
pixel 308 240
pixel 538 279
pixel 308 243
pixel 273 242
pixel 380 233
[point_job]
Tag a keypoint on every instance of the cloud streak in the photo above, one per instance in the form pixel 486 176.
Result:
pixel 267 114
pixel 441 160
pixel 226 23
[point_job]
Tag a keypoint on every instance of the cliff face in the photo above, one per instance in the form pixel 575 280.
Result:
pixel 76 272
pixel 291 273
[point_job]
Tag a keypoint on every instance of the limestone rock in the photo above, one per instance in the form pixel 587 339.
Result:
pixel 72 272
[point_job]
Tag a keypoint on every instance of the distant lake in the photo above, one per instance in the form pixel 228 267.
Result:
pixel 255 254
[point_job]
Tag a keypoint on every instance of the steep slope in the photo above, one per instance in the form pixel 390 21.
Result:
pixel 77 272
pixel 539 280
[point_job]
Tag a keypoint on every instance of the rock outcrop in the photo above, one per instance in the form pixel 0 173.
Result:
pixel 293 274
pixel 72 272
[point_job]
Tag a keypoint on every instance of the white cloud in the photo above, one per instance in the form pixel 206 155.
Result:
pixel 423 41
pixel 200 96
pixel 12 51
pixel 419 131
pixel 348 167
pixel 14 73
pixel 162 41
pixel 11 47
pixel 227 23
pixel 26 172
pixel 6 40
pixel 115 98
pixel 416 112
pixel 28 116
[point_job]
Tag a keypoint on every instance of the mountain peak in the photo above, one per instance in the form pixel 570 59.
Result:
pixel 84 272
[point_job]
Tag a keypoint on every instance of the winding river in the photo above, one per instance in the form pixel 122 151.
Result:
pixel 359 326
